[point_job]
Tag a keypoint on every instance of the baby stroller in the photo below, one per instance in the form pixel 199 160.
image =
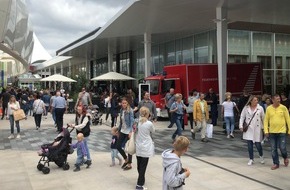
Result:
pixel 56 152
pixel 96 115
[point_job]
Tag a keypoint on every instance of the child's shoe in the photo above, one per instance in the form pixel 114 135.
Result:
pixel 89 163
pixel 77 168
pixel 112 165
pixel 140 187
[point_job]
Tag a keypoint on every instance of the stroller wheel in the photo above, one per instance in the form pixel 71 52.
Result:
pixel 45 170
pixel 40 166
pixel 66 166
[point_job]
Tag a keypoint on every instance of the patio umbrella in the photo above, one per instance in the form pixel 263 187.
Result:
pixel 58 78
pixel 112 76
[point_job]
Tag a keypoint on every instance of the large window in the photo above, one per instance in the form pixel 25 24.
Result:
pixel 239 42
pixel 125 59
pixel 267 72
pixel 201 48
pixel 178 51
pixel 282 61
pixel 170 53
pixel 156 66
pixel 238 59
pixel 187 50
pixel 100 66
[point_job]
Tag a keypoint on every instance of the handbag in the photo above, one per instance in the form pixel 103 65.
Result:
pixel 130 146
pixel 34 111
pixel 209 130
pixel 245 125
pixel 19 115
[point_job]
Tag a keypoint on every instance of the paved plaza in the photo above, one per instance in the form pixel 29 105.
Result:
pixel 219 164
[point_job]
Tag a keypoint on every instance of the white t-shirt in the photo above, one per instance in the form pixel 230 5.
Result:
pixel 229 108
pixel 107 102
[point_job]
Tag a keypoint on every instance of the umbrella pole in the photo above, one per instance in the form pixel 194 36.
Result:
pixel 111 86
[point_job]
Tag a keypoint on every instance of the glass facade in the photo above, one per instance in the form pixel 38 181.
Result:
pixel 99 67
pixel 270 49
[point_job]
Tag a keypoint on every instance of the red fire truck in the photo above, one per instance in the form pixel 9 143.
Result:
pixel 186 77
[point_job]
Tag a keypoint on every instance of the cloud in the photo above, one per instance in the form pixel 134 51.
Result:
pixel 60 22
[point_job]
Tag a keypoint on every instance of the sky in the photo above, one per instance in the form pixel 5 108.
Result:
pixel 57 23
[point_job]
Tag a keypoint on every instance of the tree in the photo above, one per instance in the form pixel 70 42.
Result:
pixel 82 81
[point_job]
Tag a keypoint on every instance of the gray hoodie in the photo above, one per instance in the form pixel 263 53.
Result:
pixel 172 166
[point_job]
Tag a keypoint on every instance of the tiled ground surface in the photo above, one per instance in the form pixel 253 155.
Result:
pixel 219 161
pixel 100 137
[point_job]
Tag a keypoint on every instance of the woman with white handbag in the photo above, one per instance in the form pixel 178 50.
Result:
pixel 144 144
pixel 38 110
pixel 251 124
pixel 125 128
pixel 13 105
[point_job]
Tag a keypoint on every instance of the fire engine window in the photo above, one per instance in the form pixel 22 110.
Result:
pixel 154 84
pixel 166 85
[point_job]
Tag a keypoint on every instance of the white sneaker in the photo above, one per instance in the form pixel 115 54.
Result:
pixel 232 135
pixel 251 162
pixel 11 136
pixel 262 142
pixel 228 136
pixel 18 136
pixel 262 161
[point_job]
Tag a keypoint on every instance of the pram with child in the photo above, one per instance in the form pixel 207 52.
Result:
pixel 96 115
pixel 56 152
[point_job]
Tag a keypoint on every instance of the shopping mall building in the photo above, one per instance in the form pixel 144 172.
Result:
pixel 147 35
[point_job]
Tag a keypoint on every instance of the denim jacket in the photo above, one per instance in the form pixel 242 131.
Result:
pixel 129 120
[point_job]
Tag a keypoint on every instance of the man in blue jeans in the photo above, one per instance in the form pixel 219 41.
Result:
pixel 275 127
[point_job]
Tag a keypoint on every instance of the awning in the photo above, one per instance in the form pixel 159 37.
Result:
pixel 53 61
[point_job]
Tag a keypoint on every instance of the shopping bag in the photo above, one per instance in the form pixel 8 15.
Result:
pixel 130 146
pixel 209 130
pixel 19 115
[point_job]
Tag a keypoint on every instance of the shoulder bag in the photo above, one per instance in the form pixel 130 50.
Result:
pixel 245 125
pixel 19 115
pixel 130 146
pixel 35 110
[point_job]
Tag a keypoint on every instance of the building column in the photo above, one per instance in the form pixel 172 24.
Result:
pixel 110 63
pixel 110 58
pixel 70 74
pixel 147 53
pixel 49 83
pixel 61 72
pixel 54 67
pixel 88 68
pixel 274 65
pixel 221 22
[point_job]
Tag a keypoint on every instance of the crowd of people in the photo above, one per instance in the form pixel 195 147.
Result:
pixel 265 117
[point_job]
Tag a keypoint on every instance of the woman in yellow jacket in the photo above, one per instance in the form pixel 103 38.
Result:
pixel 200 116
